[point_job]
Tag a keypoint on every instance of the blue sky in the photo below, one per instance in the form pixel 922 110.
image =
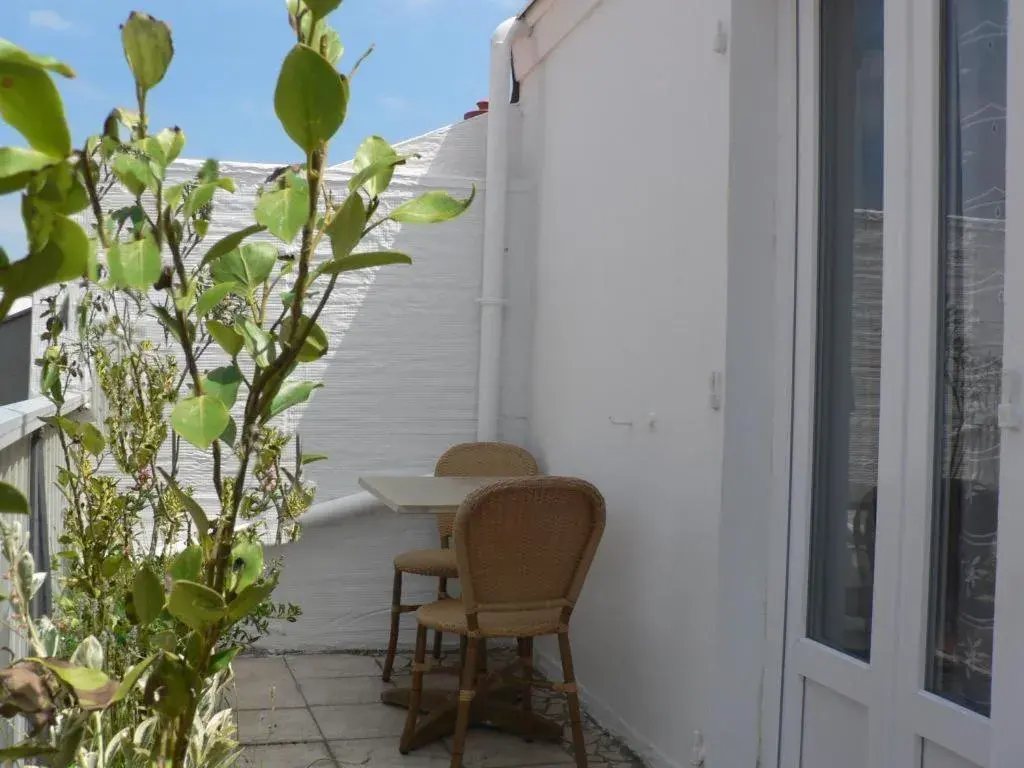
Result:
pixel 430 66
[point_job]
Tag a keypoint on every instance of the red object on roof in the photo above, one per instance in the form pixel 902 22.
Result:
pixel 481 109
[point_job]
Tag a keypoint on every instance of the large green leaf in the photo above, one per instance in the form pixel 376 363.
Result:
pixel 321 8
pixel 203 194
pixel 12 54
pixel 147 47
pixel 92 439
pixel 135 170
pixel 89 653
pixel 200 419
pixel 12 501
pixel 17 166
pixel 249 265
pixel 166 145
pixel 195 604
pixel 315 344
pixel 60 189
pixel 374 165
pixel 188 564
pixel 285 211
pixel 64 257
pixel 92 687
pixel 346 228
pixel 249 599
pixel 229 243
pixel 309 458
pixel 431 208
pixel 132 678
pixel 136 264
pixel 258 343
pixel 223 383
pixel 227 337
pixel 246 563
pixel 310 99
pixel 148 593
pixel 291 393
pixel 221 659
pixel 359 261
pixel 214 296
pixel 30 103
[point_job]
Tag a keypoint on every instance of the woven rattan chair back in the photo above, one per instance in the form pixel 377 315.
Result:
pixel 481 460
pixel 526 545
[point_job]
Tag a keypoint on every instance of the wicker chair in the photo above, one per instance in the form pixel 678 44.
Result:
pixel 524 548
pixel 463 460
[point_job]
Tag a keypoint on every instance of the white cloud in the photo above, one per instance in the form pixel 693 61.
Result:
pixel 46 19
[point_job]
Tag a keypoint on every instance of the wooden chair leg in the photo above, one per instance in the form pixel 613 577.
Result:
pixel 442 593
pixel 416 695
pixel 467 689
pixel 463 646
pixel 575 716
pixel 396 614
pixel 526 660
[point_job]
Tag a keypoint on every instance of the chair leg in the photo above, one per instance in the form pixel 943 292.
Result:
pixel 526 660
pixel 416 695
pixel 575 716
pixel 396 614
pixel 463 646
pixel 442 592
pixel 467 689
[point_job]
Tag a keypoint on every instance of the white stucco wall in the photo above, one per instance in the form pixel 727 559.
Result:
pixel 400 376
pixel 625 135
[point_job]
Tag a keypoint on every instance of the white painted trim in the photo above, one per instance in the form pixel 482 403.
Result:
pixel 832 669
pixel 786 196
pixel 550 23
pixel 959 730
pixel 886 730
pixel 1008 661
pixel 21 419
pixel 803 386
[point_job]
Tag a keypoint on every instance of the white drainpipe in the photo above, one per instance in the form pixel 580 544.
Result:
pixel 492 296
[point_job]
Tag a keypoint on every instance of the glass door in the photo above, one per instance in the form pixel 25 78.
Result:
pixel 905 630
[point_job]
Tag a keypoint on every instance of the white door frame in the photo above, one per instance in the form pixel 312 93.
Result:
pixel 900 712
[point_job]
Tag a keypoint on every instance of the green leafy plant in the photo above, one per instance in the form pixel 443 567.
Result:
pixel 149 618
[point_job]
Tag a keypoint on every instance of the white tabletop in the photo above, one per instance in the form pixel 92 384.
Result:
pixel 423 495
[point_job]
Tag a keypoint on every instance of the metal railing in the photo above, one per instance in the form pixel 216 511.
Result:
pixel 30 458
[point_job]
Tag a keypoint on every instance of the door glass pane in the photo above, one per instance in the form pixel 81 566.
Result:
pixel 970 356
pixel 849 327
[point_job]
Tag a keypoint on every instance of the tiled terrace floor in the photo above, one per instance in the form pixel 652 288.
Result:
pixel 324 711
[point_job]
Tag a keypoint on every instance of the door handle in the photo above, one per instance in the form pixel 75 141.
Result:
pixel 1009 413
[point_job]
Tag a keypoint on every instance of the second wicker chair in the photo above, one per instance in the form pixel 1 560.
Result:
pixel 463 460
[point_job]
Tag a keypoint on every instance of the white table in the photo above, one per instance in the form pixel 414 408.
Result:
pixel 412 495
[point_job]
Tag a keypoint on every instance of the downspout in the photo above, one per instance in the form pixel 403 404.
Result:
pixel 492 297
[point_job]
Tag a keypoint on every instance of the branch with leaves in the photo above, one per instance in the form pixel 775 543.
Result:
pixel 185 605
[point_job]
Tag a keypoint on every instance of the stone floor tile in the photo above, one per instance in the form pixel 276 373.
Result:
pixel 264 684
pixel 278 726
pixel 359 721
pixel 343 690
pixel 383 753
pixel 313 755
pixel 491 749
pixel 333 665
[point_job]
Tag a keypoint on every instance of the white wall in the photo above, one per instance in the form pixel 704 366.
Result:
pixel 625 134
